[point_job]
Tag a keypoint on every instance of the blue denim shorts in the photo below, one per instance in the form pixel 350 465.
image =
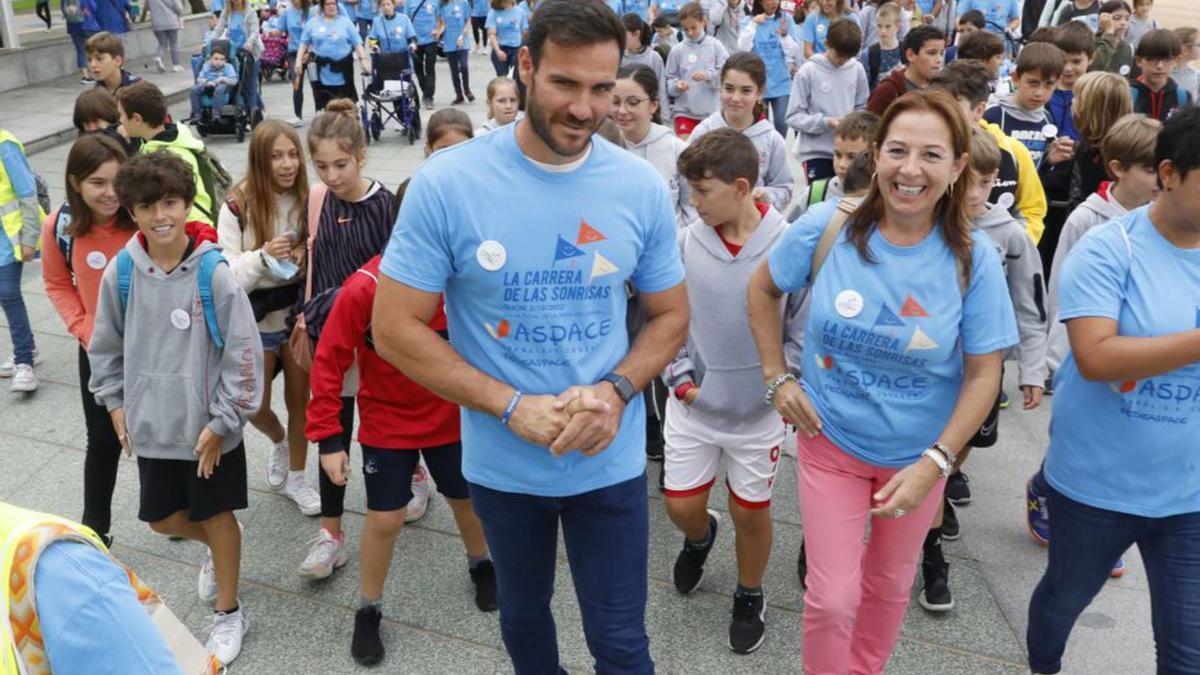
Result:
pixel 273 342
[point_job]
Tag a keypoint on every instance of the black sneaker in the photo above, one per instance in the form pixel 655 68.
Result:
pixel 484 578
pixel 950 530
pixel 958 489
pixel 366 647
pixel 655 444
pixel 935 597
pixel 747 627
pixel 689 566
pixel 1004 402
pixel 802 566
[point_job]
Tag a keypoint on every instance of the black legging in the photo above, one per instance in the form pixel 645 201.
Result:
pixel 424 61
pixel 43 12
pixel 333 497
pixel 479 30
pixel 103 454
pixel 298 89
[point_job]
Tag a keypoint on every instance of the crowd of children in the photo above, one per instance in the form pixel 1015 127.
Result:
pixel 188 295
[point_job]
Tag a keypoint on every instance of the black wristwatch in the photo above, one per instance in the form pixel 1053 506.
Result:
pixel 623 386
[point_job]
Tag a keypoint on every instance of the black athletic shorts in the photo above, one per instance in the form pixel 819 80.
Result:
pixel 388 474
pixel 990 431
pixel 171 485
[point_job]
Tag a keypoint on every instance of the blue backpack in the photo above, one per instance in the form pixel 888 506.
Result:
pixel 208 263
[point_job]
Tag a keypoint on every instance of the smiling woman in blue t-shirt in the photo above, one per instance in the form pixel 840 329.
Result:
pixel 333 39
pixel 1125 430
pixel 909 317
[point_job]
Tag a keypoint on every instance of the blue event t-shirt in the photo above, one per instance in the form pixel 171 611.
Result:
pixel 996 13
pixel 1129 446
pixel 237 30
pixel 480 8
pixel 294 22
pixel 509 24
pixel 456 14
pixel 424 15
pixel 332 40
pixel 535 297
pixel 392 34
pixel 884 344
pixel 815 28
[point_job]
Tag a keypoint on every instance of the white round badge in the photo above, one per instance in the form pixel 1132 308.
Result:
pixel 826 87
pixel 848 303
pixel 1050 131
pixel 180 319
pixel 491 255
pixel 1124 70
pixel 691 58
pixel 97 260
pixel 1005 201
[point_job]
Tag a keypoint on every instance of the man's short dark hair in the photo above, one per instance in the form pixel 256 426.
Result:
pixel 1160 43
pixel 1043 34
pixel 980 45
pixel 1074 37
pixel 149 177
pixel 975 18
pixel 844 37
pixel 858 125
pixel 1179 142
pixel 918 36
pixel 858 175
pixel 146 99
pixel 572 23
pixel 1042 59
pixel 964 79
pixel 724 154
pixel 95 105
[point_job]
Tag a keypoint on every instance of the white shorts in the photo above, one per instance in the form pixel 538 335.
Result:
pixel 694 449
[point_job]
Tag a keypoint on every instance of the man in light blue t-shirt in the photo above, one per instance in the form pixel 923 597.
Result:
pixel 534 269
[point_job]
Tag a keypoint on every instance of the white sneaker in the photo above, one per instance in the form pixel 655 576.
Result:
pixel 419 504
pixel 326 555
pixel 24 380
pixel 176 69
pixel 225 632
pixel 277 465
pixel 296 122
pixel 158 65
pixel 7 368
pixel 299 490
pixel 206 583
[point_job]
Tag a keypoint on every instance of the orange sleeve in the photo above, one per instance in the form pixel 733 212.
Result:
pixel 60 286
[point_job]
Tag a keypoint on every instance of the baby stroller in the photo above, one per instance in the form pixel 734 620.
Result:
pixel 274 57
pixel 234 116
pixel 390 95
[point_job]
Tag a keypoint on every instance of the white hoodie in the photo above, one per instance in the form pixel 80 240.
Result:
pixel 662 148
pixel 774 173
pixel 1098 208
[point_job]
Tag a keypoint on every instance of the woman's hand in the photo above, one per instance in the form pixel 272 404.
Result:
pixel 1033 396
pixel 793 405
pixel 208 453
pixel 279 247
pixel 336 465
pixel 907 489
pixel 118 422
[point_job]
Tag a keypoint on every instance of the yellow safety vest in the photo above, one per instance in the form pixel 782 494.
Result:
pixel 10 205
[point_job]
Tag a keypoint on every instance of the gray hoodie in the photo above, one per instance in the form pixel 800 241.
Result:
pixel 1023 271
pixel 687 58
pixel 652 60
pixel 774 173
pixel 1028 127
pixel 719 355
pixel 159 363
pixel 1098 208
pixel 725 22
pixel 822 90
pixel 661 147
pixel 164 14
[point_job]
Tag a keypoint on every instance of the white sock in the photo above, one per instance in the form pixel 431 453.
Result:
pixel 295 475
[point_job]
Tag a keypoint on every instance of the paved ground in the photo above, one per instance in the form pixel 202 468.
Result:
pixel 432 626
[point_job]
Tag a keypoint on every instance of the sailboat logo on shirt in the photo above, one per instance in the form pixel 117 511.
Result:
pixel 912 308
pixel 824 362
pixel 565 250
pixel 588 234
pixel 499 331
pixel 888 318
pixel 920 340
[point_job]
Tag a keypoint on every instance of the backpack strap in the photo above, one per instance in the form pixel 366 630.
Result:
pixel 124 277
pixel 208 264
pixel 833 229
pixel 231 204
pixel 66 243
pixel 316 201
pixel 816 191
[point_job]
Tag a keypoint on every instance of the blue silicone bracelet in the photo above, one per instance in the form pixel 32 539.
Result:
pixel 512 405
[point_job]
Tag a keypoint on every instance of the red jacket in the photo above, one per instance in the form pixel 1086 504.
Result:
pixel 396 413
pixel 889 89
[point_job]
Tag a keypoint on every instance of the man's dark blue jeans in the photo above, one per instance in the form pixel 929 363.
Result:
pixel 1086 542
pixel 606 533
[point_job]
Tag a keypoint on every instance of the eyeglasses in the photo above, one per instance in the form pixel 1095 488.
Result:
pixel 630 102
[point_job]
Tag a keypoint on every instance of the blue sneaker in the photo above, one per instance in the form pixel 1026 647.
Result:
pixel 1036 515
pixel 1118 570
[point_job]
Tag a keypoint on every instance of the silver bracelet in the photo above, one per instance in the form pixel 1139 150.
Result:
pixel 775 385
pixel 943 466
pixel 951 457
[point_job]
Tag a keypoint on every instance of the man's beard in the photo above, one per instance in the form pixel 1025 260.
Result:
pixel 540 123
